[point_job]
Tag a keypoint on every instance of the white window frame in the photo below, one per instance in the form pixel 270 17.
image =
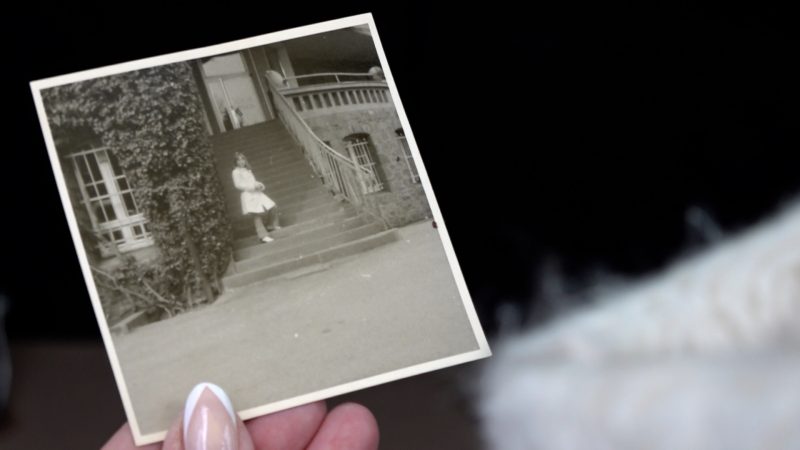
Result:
pixel 360 151
pixel 409 157
pixel 124 223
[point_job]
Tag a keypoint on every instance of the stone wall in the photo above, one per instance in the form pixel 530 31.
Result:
pixel 402 201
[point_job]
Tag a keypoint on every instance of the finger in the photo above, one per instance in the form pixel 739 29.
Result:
pixel 291 429
pixel 349 426
pixel 174 438
pixel 245 441
pixel 123 440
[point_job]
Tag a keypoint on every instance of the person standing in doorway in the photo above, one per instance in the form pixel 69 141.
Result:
pixel 254 201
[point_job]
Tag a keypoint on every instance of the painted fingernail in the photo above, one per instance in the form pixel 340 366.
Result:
pixel 209 422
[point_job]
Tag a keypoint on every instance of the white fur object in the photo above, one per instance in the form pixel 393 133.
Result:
pixel 705 355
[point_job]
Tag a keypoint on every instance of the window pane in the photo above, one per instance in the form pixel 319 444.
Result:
pixel 122 183
pixel 91 191
pixel 138 231
pixel 130 205
pixel 101 189
pixel 109 210
pixel 83 168
pixel 97 207
pixel 94 168
pixel 115 164
pixel 118 236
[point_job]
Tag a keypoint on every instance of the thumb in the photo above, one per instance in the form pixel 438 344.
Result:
pixel 210 423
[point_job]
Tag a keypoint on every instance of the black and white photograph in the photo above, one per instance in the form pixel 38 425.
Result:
pixel 257 215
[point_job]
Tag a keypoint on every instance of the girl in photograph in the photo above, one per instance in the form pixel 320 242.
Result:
pixel 254 201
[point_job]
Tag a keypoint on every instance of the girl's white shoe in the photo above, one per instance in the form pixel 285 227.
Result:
pixel 267 239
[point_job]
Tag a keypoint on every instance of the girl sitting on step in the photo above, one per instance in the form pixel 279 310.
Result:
pixel 254 201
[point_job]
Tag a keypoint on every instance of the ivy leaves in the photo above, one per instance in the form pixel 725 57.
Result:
pixel 153 120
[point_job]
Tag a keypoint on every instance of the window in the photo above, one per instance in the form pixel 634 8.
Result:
pixel 360 151
pixel 109 200
pixel 412 168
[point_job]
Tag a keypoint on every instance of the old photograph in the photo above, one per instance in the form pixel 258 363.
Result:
pixel 257 215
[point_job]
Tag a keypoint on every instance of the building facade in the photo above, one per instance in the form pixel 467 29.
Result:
pixel 322 97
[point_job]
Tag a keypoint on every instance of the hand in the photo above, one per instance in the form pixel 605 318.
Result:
pixel 259 186
pixel 312 427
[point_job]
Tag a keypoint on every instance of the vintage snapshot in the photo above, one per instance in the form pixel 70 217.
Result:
pixel 256 215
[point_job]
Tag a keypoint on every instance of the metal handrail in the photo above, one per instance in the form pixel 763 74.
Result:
pixel 307 128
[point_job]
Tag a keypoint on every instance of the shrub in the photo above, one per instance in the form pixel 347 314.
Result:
pixel 153 121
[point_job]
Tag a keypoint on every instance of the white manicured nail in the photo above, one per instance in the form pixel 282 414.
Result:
pixel 209 421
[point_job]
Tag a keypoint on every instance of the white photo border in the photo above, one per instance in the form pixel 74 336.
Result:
pixel 483 350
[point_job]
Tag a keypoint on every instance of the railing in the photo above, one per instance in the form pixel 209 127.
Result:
pixel 324 92
pixel 339 173
pixel 337 77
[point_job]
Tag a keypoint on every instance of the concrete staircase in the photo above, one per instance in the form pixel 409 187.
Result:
pixel 317 228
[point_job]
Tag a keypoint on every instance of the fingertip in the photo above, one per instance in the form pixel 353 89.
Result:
pixel 174 438
pixel 123 440
pixel 349 425
pixel 362 419
pixel 245 441
pixel 291 428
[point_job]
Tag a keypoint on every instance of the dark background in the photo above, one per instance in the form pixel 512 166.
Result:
pixel 579 136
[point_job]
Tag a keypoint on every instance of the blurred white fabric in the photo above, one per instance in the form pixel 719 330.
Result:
pixel 705 355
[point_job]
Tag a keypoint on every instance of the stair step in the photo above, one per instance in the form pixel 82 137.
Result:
pixel 291 208
pixel 319 191
pixel 284 195
pixel 279 184
pixel 262 128
pixel 300 170
pixel 274 183
pixel 276 158
pixel 244 226
pixel 269 169
pixel 278 268
pixel 282 192
pixel 287 201
pixel 298 247
pixel 268 128
pixel 277 163
pixel 277 169
pixel 251 240
pixel 265 136
pixel 227 154
pixel 305 235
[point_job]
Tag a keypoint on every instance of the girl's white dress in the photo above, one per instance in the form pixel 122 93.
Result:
pixel 253 200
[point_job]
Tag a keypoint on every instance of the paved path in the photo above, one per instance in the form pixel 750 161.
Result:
pixel 385 309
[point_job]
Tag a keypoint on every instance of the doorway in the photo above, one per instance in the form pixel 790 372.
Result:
pixel 232 93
